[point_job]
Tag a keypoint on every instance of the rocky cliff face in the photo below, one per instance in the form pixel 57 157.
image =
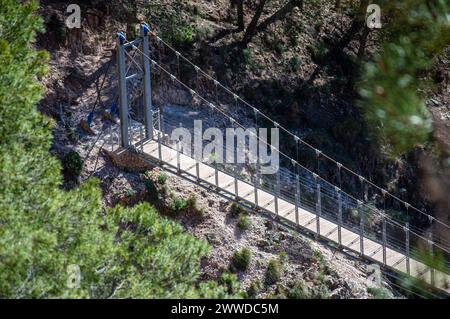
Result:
pixel 82 79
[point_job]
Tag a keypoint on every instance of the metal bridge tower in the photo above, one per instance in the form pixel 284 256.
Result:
pixel 144 82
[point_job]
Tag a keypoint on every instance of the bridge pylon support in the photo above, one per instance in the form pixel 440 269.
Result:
pixel 123 96
pixel 148 107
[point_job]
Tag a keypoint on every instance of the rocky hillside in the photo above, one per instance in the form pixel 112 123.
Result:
pixel 285 65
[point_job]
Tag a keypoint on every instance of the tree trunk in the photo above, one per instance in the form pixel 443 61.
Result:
pixel 363 43
pixel 356 27
pixel 251 29
pixel 337 4
pixel 240 14
pixel 280 14
pixel 239 4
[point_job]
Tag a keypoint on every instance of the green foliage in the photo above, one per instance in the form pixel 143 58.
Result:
pixel 193 207
pixel 243 222
pixel 284 257
pixel 318 52
pixel 241 259
pixel 273 273
pixel 155 257
pixel 204 32
pixel 299 291
pixel 379 293
pixel 176 24
pixel 46 231
pixel 229 281
pixel 72 165
pixel 417 33
pixel 318 256
pixel 254 289
pixel 152 190
pixel 247 56
pixel 177 204
pixel 162 178
pixel 320 291
pixel 294 64
pixel 184 34
pixel 236 210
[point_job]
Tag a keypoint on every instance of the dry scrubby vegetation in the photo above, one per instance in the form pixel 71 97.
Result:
pixel 294 53
pixel 356 93
pixel 120 252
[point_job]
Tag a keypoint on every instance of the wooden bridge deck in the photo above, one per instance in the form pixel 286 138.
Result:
pixel 226 183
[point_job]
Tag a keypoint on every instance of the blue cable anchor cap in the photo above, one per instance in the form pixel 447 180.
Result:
pixel 121 37
pixel 145 28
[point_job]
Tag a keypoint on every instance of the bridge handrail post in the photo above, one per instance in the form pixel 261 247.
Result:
pixel 236 188
pixel 384 238
pixel 257 161
pixel 277 194
pixel 123 99
pixel 148 107
pixel 297 198
pixel 361 227
pixel 339 217
pixel 431 249
pixel 318 205
pixel 178 157
pixel 159 137
pixel 141 139
pixel 408 270
pixel 256 183
pixel 197 170
pixel 216 175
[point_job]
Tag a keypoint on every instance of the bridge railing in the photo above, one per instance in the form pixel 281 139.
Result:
pixel 204 83
pixel 302 186
pixel 352 211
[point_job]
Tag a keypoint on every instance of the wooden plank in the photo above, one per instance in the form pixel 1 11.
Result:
pixel 350 239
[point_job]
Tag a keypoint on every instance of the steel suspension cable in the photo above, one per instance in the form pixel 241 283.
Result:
pixel 292 134
pixel 174 78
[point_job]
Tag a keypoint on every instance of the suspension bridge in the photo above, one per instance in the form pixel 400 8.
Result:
pixel 341 208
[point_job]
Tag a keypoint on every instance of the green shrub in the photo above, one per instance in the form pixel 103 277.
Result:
pixel 236 210
pixel 243 222
pixel 273 272
pixel 254 289
pixel 247 55
pixel 177 204
pixel 193 207
pixel 184 34
pixel 231 283
pixel 162 179
pixel 379 293
pixel 45 230
pixel 318 52
pixel 284 257
pixel 72 165
pixel 152 191
pixel 299 291
pixel 318 257
pixel 241 259
pixel 294 64
pixel 204 32
pixel 321 292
